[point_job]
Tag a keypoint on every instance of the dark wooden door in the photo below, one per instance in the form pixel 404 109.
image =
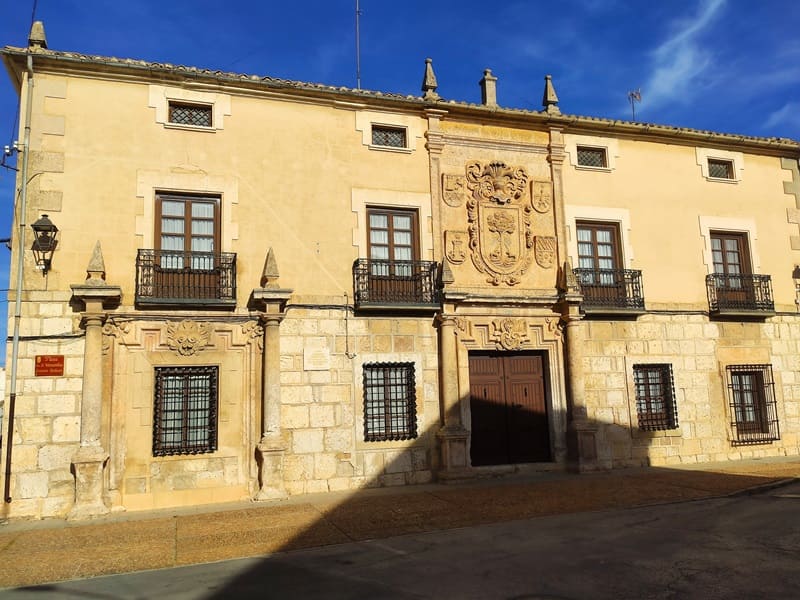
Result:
pixel 732 266
pixel 599 262
pixel 509 408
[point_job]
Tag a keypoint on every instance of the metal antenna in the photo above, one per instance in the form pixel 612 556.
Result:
pixel 634 96
pixel 358 47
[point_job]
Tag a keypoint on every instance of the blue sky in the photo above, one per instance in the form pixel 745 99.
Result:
pixel 722 65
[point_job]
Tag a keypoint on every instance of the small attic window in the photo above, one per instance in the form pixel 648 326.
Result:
pixel 589 156
pixel 389 137
pixel 193 115
pixel 720 169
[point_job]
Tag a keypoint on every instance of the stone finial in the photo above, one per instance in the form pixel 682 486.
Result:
pixel 550 99
pixel 37 38
pixel 488 88
pixel 96 269
pixel 429 84
pixel 571 283
pixel 270 275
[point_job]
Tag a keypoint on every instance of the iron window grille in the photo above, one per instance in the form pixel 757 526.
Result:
pixel 754 411
pixel 390 402
pixel 611 288
pixel 655 397
pixel 185 415
pixel 195 115
pixel 739 291
pixel 592 157
pixel 392 137
pixel 177 277
pixel 720 169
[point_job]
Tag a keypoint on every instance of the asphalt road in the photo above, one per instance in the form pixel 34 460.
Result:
pixel 741 547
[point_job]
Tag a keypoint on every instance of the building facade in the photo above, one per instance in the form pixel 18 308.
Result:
pixel 260 288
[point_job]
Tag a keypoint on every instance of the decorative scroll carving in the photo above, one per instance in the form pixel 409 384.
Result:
pixel 113 330
pixel 254 333
pixel 499 215
pixel 188 337
pixel 455 243
pixel 545 251
pixel 453 189
pixel 542 196
pixel 555 328
pixel 509 334
pixel 464 327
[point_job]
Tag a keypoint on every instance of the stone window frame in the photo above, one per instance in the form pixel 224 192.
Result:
pixel 210 416
pixel 364 199
pixel 621 217
pixel 161 96
pixel 703 155
pixel 610 145
pixel 365 120
pixel 734 225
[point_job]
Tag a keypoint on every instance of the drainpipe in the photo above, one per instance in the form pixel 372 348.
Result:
pixel 9 413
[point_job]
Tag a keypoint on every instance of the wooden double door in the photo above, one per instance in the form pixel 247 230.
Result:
pixel 508 402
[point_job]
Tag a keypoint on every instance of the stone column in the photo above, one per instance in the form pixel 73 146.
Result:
pixel 270 300
pixel 91 457
pixel 272 446
pixel 581 433
pixel 453 436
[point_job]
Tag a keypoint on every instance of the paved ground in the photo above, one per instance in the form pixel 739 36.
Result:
pixel 48 551
pixel 733 547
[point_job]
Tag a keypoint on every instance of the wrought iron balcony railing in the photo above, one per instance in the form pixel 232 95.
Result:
pixel 396 284
pixel 739 293
pixel 611 289
pixel 178 278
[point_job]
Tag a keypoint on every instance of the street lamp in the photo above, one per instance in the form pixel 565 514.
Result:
pixel 44 243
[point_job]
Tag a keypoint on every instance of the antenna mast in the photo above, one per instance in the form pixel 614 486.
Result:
pixel 358 47
pixel 634 96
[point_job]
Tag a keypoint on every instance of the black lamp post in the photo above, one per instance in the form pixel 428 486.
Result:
pixel 45 242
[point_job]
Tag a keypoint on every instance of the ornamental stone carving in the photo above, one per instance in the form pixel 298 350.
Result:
pixel 453 189
pixel 455 243
pixel 111 331
pixel 545 251
pixel 499 215
pixel 509 334
pixel 542 196
pixel 254 333
pixel 188 337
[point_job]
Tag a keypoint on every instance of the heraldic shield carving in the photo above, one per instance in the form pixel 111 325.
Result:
pixel 499 214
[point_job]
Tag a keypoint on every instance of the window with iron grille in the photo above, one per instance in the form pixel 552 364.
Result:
pixel 196 115
pixel 392 137
pixel 720 169
pixel 592 157
pixel 185 416
pixel 655 397
pixel 390 403
pixel 751 392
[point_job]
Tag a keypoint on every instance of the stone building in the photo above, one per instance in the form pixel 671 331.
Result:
pixel 246 287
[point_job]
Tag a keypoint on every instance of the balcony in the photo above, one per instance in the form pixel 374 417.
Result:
pixel 175 278
pixel 740 295
pixel 396 284
pixel 611 291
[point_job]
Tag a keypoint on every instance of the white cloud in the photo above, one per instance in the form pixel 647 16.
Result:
pixel 681 60
pixel 788 114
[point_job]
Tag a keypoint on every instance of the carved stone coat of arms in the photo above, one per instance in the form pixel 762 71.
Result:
pixel 499 215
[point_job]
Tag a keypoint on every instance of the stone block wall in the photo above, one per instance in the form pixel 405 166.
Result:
pixel 46 428
pixel 699 350
pixel 322 408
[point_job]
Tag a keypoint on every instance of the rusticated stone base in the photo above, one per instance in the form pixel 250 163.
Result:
pixel 89 497
pixel 270 470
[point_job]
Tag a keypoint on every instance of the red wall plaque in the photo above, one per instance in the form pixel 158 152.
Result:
pixel 49 365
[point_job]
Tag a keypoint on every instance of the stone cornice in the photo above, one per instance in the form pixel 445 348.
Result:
pixel 73 63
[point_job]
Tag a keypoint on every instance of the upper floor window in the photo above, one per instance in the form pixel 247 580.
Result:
pixel 590 156
pixel 185 410
pixel 720 169
pixel 655 397
pixel 187 228
pixel 194 115
pixel 390 137
pixel 392 234
pixel 390 403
